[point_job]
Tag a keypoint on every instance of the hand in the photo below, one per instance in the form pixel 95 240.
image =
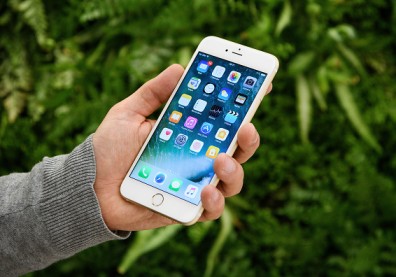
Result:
pixel 118 140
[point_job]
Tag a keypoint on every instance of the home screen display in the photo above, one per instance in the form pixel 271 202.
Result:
pixel 200 122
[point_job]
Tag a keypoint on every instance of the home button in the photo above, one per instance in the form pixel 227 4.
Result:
pixel 157 199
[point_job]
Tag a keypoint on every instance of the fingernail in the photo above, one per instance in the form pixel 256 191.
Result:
pixel 256 138
pixel 229 166
pixel 215 196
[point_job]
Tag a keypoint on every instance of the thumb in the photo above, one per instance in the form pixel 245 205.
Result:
pixel 155 92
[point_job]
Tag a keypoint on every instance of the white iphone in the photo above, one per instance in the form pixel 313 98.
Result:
pixel 219 91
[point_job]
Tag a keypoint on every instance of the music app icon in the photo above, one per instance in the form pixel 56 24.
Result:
pixel 191 191
pixel 190 122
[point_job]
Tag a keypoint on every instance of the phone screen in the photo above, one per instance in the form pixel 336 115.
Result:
pixel 200 122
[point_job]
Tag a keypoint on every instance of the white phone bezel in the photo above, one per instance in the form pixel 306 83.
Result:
pixel 172 206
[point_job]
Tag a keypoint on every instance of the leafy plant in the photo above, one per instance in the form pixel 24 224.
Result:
pixel 319 194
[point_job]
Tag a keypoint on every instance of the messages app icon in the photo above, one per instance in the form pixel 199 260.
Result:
pixel 175 184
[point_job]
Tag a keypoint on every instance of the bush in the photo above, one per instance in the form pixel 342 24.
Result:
pixel 319 195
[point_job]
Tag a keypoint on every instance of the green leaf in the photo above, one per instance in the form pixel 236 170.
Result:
pixel 301 62
pixel 226 227
pixel 323 81
pixel 340 32
pixel 146 241
pixel 351 58
pixel 198 231
pixel 14 105
pixel 304 107
pixel 347 102
pixel 34 15
pixel 285 18
pixel 317 93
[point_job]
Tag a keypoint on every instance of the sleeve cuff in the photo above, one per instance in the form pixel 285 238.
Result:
pixel 70 208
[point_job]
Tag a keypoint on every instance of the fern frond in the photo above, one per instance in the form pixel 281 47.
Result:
pixel 33 14
pixel 99 9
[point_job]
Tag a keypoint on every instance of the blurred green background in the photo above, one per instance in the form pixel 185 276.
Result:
pixel 320 193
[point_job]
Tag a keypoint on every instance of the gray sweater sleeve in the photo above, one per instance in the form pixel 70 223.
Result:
pixel 50 213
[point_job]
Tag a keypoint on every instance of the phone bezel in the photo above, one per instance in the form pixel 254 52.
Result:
pixel 172 206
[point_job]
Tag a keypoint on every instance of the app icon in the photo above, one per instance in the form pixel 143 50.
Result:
pixel 222 134
pixel 234 77
pixel 184 99
pixel 209 88
pixel 166 133
pixel 240 99
pixel 215 111
pixel 249 82
pixel 191 191
pixel 144 172
pixel 200 105
pixel 194 83
pixel 218 71
pixel 231 117
pixel 175 184
pixel 224 94
pixel 181 139
pixel 190 122
pixel 175 117
pixel 196 145
pixel 159 178
pixel 206 128
pixel 212 152
pixel 203 66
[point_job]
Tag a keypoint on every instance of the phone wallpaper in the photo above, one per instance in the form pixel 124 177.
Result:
pixel 200 123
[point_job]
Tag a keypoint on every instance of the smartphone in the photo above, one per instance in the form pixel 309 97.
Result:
pixel 219 91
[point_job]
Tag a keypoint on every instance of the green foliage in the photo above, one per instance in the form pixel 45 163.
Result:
pixel 144 242
pixel 319 195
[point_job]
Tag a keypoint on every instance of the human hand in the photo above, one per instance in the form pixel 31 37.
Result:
pixel 118 140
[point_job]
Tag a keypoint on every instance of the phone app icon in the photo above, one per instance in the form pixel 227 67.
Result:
pixel 175 184
pixel 234 77
pixel 240 99
pixel 203 66
pixel 184 99
pixel 249 82
pixel 194 83
pixel 209 88
pixel 191 191
pixel 190 122
pixel 218 71
pixel 212 152
pixel 231 116
pixel 181 139
pixel 175 117
pixel 206 128
pixel 200 105
pixel 222 134
pixel 215 111
pixel 144 172
pixel 160 178
pixel 196 145
pixel 166 133
pixel 224 94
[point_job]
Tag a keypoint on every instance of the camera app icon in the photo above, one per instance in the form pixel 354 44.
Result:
pixel 249 82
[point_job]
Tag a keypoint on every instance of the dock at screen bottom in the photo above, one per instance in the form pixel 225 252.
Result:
pixel 167 182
